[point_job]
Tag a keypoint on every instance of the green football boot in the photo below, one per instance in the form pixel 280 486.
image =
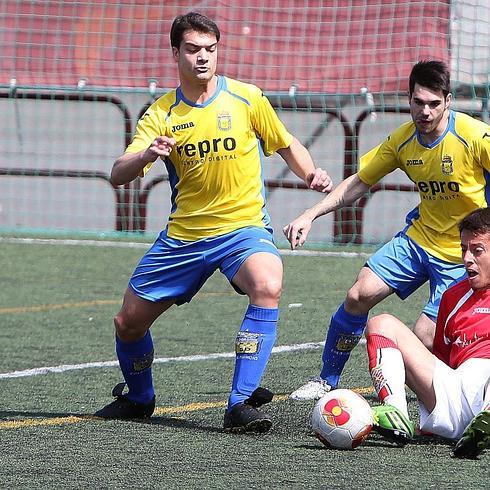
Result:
pixel 392 424
pixel 475 438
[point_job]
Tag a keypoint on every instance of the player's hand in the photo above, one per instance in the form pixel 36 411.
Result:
pixel 319 181
pixel 297 231
pixel 161 147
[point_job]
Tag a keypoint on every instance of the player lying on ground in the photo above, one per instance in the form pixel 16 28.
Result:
pixel 447 154
pixel 212 134
pixel 452 384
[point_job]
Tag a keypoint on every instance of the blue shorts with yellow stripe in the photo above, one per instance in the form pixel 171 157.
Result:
pixel 405 266
pixel 176 269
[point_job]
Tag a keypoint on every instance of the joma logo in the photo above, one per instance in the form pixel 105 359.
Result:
pixel 415 162
pixel 179 127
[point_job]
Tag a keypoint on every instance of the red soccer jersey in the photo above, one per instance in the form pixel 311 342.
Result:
pixel 463 325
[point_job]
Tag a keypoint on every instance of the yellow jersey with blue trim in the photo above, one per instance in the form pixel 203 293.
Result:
pixel 452 176
pixel 215 167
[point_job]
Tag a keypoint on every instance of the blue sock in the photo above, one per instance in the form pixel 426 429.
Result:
pixel 253 347
pixel 343 335
pixel 135 359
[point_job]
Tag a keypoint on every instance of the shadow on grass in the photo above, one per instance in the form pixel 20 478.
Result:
pixel 6 416
pixel 377 441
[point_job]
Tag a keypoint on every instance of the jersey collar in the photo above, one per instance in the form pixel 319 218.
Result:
pixel 449 127
pixel 219 86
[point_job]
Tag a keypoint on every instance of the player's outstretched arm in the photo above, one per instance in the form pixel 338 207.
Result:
pixel 299 160
pixel 130 165
pixel 344 194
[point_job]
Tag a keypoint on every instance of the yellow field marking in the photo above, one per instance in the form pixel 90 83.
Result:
pixel 82 304
pixel 19 424
pixel 190 407
pixel 194 407
pixel 364 391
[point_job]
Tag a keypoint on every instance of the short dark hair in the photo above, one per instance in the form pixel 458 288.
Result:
pixel 432 74
pixel 478 222
pixel 192 21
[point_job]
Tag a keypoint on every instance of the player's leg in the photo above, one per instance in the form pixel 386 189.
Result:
pixel 397 356
pixel 344 332
pixel 134 349
pixel 134 345
pixel 349 321
pixel 395 267
pixel 260 277
pixel 424 329
pixel 254 267
pixel 476 437
pixel 442 275
pixel 170 272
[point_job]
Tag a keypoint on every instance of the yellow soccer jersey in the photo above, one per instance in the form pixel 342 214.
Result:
pixel 452 176
pixel 215 168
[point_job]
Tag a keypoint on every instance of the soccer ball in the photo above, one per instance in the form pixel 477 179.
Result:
pixel 342 419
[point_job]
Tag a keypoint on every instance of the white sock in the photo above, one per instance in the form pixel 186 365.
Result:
pixel 388 377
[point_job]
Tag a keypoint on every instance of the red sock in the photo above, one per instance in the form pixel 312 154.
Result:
pixel 387 370
pixel 375 342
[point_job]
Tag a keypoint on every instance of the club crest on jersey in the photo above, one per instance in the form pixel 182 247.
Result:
pixel 224 121
pixel 447 165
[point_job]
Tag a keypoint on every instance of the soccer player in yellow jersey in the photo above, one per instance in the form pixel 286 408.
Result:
pixel 212 134
pixel 447 155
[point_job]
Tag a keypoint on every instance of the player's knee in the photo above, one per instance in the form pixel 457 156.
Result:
pixel 269 289
pixel 379 324
pixel 127 330
pixel 359 300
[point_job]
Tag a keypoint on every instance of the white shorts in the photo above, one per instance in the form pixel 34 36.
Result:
pixel 460 395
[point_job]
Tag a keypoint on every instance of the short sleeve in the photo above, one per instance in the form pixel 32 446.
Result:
pixel 267 124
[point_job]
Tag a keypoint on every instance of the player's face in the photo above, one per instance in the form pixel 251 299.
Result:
pixel 429 110
pixel 476 258
pixel 197 57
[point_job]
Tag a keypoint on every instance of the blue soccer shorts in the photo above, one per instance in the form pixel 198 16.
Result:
pixel 404 266
pixel 176 269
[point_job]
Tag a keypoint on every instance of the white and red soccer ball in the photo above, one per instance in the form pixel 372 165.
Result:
pixel 342 419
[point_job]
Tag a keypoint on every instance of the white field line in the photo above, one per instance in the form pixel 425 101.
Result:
pixel 160 360
pixel 146 245
pixel 143 245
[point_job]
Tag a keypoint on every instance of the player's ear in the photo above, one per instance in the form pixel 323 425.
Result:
pixel 175 53
pixel 449 97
